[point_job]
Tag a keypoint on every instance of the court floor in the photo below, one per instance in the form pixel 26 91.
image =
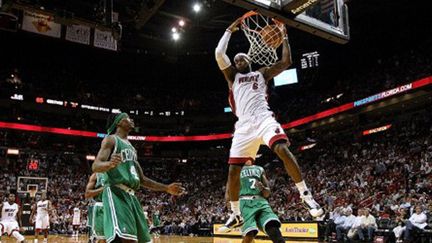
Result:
pixel 162 239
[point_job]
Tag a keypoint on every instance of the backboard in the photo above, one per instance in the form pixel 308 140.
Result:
pixel 325 18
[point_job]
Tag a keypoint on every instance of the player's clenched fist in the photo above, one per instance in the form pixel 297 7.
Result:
pixel 114 161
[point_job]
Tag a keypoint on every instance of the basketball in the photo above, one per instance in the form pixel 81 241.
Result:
pixel 272 36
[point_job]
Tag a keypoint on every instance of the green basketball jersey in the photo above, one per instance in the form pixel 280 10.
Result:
pixel 100 182
pixel 125 173
pixel 249 175
pixel 156 219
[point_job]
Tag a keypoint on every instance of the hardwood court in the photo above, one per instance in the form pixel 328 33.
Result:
pixel 162 239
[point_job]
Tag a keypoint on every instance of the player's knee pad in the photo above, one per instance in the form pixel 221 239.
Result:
pixel 18 236
pixel 274 233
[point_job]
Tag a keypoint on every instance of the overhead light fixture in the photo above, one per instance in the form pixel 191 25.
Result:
pixel 13 151
pixel 181 23
pixel 196 7
pixel 174 30
pixel 176 36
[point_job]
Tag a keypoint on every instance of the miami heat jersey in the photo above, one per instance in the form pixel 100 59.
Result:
pixel 248 95
pixel 9 212
pixel 42 209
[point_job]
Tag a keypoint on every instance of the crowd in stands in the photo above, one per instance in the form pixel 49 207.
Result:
pixel 386 175
pixel 288 103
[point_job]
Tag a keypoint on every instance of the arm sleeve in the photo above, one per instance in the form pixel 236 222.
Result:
pixel 221 58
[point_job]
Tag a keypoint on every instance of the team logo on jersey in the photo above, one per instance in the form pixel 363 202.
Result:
pixel 277 130
pixel 247 79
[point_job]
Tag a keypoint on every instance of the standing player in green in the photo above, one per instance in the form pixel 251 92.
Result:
pixel 156 223
pixel 254 207
pixel 124 220
pixel 94 190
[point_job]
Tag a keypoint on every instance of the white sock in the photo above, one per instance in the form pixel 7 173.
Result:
pixel 18 236
pixel 235 207
pixel 35 240
pixel 301 186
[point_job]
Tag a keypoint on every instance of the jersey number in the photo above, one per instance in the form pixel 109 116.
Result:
pixel 10 214
pixel 253 182
pixel 134 172
pixel 255 86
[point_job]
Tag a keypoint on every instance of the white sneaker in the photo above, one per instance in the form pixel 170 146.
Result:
pixel 233 222
pixel 311 205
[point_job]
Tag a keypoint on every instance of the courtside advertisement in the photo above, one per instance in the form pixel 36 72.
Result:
pixel 294 230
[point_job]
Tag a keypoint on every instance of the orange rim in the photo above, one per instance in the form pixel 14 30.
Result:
pixel 253 13
pixel 248 14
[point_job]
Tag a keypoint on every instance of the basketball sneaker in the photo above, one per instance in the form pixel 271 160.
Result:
pixel 233 222
pixel 311 205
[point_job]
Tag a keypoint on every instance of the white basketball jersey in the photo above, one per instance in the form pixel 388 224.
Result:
pixel 76 213
pixel 9 212
pixel 249 94
pixel 42 209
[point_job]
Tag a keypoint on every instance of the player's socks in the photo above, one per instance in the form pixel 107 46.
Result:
pixel 45 240
pixel 35 240
pixel 301 186
pixel 235 207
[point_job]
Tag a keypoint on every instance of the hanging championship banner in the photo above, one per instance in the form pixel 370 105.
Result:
pixel 41 24
pixel 104 39
pixel 78 33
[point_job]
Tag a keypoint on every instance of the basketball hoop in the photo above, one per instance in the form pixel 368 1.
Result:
pixel 265 35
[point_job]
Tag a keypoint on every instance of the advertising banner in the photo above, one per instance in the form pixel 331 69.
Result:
pixel 297 230
pixel 78 33
pixel 104 39
pixel 41 24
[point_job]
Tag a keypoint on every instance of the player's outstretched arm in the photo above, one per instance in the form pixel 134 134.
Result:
pixel 222 59
pixel 101 163
pixel 90 192
pixel 281 65
pixel 173 188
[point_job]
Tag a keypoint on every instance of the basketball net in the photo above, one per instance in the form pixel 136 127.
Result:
pixel 260 51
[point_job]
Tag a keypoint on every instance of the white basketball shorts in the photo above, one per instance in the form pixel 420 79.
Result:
pixel 250 133
pixel 8 227
pixel 42 223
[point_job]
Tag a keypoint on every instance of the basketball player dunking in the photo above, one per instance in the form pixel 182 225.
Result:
pixel 123 215
pixel 10 221
pixel 42 220
pixel 256 124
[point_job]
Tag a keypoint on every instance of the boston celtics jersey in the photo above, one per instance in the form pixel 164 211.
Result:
pixel 249 175
pixel 100 182
pixel 156 219
pixel 125 173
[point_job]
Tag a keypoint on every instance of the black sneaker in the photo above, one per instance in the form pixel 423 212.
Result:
pixel 233 222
